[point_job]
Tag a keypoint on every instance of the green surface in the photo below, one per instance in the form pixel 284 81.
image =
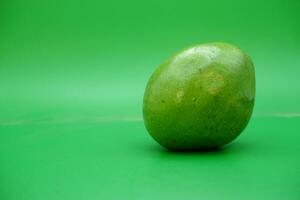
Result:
pixel 72 77
pixel 200 98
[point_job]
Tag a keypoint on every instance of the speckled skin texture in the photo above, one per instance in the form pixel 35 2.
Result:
pixel 201 98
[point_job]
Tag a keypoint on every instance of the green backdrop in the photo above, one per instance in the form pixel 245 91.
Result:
pixel 72 77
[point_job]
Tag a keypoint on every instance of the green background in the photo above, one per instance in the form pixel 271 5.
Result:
pixel 72 77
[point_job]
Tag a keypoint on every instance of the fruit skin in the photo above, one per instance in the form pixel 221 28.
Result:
pixel 201 98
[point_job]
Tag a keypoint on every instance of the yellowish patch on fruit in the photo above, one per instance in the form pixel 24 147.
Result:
pixel 214 82
pixel 179 96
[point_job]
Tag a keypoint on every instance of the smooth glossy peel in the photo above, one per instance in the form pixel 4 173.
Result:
pixel 201 98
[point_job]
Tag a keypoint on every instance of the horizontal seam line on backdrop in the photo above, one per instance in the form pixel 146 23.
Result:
pixel 118 119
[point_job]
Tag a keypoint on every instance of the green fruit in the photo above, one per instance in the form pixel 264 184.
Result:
pixel 201 98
